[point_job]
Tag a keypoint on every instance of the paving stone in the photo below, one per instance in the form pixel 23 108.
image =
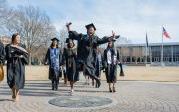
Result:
pixel 131 96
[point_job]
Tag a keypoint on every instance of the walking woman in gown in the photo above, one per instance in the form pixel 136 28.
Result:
pixel 111 60
pixel 54 58
pixel 69 59
pixel 17 58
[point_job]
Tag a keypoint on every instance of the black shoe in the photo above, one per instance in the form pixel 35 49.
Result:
pixel 56 87
pixel 92 83
pixel 98 83
pixel 53 88
pixel 110 90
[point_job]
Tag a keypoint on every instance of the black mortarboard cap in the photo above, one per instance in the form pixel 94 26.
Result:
pixel 68 40
pixel 55 39
pixel 90 25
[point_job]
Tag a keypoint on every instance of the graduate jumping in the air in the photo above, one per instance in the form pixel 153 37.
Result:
pixel 69 59
pixel 54 58
pixel 16 57
pixel 110 61
pixel 87 46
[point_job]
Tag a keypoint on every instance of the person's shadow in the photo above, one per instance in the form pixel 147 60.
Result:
pixel 1 100
pixel 43 89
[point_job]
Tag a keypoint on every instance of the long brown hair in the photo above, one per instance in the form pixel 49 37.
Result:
pixel 51 46
pixel 112 46
pixel 68 44
pixel 14 36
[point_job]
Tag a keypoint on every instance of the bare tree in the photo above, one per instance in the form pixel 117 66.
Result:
pixel 63 34
pixel 3 11
pixel 34 27
pixel 6 14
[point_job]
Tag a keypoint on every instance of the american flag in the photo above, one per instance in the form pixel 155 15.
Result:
pixel 165 33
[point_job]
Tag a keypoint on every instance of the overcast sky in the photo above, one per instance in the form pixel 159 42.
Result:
pixel 129 18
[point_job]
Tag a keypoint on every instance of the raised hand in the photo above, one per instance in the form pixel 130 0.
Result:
pixel 113 33
pixel 114 36
pixel 68 25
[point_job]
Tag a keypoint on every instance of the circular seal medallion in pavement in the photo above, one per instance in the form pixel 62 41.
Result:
pixel 80 101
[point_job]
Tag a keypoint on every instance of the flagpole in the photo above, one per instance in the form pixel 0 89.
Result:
pixel 146 50
pixel 146 55
pixel 162 64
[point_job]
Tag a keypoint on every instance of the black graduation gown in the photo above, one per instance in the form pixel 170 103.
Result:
pixel 51 70
pixel 87 51
pixel 69 59
pixel 2 53
pixel 15 67
pixel 110 69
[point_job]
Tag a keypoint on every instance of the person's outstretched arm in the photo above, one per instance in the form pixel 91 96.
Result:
pixel 72 34
pixel 106 39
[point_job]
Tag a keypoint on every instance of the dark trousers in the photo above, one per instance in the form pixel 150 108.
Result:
pixel 55 80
